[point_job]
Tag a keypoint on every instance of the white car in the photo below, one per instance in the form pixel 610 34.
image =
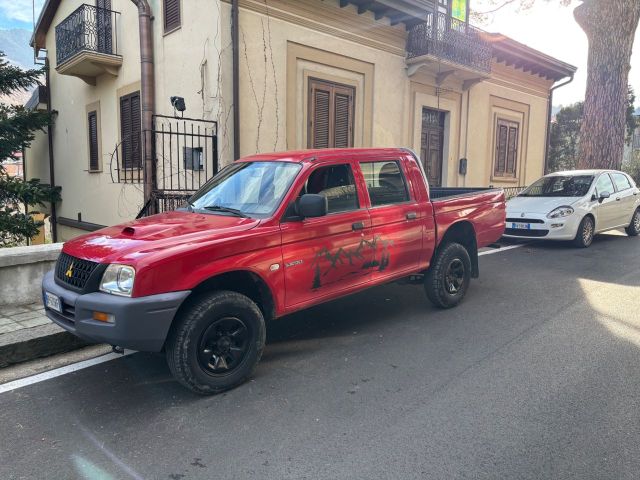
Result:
pixel 575 205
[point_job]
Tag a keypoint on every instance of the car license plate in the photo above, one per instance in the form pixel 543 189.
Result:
pixel 521 226
pixel 53 302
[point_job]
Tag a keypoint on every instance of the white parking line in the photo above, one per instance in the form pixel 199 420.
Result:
pixel 74 367
pixel 501 249
pixel 41 377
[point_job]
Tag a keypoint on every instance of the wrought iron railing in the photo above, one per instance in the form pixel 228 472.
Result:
pixel 88 28
pixel 510 192
pixel 450 39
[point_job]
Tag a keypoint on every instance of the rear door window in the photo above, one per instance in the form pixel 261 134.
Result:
pixel 621 181
pixel 385 183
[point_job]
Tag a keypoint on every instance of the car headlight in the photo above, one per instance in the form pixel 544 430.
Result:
pixel 118 280
pixel 560 212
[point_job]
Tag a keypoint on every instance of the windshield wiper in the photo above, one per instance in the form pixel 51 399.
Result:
pixel 219 208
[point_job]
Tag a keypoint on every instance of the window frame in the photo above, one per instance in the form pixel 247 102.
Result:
pixel 167 31
pixel 508 123
pixel 334 87
pixel 407 189
pixel 94 113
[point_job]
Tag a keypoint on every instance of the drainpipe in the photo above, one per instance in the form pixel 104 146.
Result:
pixel 53 219
pixel 147 82
pixel 549 112
pixel 236 78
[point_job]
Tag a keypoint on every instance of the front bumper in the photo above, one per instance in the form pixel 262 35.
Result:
pixel 140 323
pixel 564 228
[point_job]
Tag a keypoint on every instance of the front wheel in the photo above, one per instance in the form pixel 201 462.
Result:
pixel 216 343
pixel 633 230
pixel 448 277
pixel 584 236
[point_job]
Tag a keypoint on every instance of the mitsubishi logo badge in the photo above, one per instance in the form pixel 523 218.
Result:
pixel 69 272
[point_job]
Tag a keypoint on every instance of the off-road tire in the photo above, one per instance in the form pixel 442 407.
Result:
pixel 633 230
pixel 585 234
pixel 186 333
pixel 435 280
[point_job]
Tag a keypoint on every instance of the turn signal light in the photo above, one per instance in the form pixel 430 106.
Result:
pixel 104 317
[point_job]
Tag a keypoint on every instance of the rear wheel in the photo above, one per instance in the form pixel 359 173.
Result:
pixel 216 343
pixel 584 236
pixel 448 277
pixel 633 230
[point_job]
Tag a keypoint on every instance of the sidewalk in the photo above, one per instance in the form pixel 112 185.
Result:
pixel 26 334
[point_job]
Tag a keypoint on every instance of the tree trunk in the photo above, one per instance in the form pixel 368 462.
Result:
pixel 610 26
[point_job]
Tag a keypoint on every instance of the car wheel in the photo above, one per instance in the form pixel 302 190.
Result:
pixel 633 230
pixel 447 280
pixel 216 343
pixel 584 236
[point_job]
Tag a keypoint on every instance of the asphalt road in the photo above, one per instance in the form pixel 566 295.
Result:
pixel 536 375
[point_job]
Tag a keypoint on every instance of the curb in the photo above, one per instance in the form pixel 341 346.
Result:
pixel 36 342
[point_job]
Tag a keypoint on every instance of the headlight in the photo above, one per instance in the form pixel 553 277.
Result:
pixel 560 212
pixel 118 280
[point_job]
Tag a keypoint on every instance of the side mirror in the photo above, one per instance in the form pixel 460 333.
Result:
pixel 603 195
pixel 312 205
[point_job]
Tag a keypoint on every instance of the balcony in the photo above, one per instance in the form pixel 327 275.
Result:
pixel 87 44
pixel 448 46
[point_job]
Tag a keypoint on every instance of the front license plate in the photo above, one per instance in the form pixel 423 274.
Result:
pixel 53 302
pixel 521 226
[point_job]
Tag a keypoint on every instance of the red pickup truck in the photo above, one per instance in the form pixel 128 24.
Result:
pixel 267 236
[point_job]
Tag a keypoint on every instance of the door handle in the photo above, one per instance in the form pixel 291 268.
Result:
pixel 357 226
pixel 617 199
pixel 411 216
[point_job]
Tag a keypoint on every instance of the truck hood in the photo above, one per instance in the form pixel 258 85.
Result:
pixel 519 205
pixel 129 242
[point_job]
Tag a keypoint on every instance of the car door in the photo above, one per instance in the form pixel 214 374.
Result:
pixel 625 197
pixel 395 217
pixel 327 255
pixel 606 209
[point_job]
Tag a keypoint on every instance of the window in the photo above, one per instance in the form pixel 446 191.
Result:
pixel 560 186
pixel 94 155
pixel 385 183
pixel 331 112
pixel 193 159
pixel 636 139
pixel 130 130
pixel 604 185
pixel 621 181
pixel 335 182
pixel 506 158
pixel 172 15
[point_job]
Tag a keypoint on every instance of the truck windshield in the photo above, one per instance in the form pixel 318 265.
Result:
pixel 247 189
pixel 560 186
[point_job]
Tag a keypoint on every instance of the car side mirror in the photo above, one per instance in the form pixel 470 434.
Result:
pixel 311 205
pixel 603 195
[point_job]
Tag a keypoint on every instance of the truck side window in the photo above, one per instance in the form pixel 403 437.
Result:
pixel 385 183
pixel 336 182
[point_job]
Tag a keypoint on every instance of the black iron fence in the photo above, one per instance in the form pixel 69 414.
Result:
pixel 88 28
pixel 511 192
pixel 450 39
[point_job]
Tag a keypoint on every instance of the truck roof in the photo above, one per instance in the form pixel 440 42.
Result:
pixel 318 155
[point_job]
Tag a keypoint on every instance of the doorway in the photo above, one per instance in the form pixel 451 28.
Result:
pixel 431 145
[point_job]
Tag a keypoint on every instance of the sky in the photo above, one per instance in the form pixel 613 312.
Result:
pixel 547 26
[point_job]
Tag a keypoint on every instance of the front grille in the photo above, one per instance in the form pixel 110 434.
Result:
pixel 524 220
pixel 522 232
pixel 73 271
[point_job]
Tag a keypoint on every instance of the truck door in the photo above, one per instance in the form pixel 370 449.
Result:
pixel 327 255
pixel 397 218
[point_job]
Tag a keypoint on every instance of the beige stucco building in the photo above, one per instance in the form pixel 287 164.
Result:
pixel 311 73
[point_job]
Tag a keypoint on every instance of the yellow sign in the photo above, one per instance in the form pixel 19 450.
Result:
pixel 69 272
pixel 459 9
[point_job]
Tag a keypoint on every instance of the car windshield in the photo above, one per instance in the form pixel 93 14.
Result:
pixel 246 189
pixel 560 186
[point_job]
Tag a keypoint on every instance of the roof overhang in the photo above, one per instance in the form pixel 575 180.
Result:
pixel 519 56
pixel 409 12
pixel 45 19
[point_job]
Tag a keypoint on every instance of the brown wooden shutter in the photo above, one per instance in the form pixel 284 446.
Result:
pixel 130 130
pixel 94 159
pixel 331 115
pixel 172 18
pixel 506 159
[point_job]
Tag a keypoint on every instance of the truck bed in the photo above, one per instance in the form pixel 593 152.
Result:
pixel 437 193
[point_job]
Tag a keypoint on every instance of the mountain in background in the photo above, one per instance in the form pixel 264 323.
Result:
pixel 15 44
